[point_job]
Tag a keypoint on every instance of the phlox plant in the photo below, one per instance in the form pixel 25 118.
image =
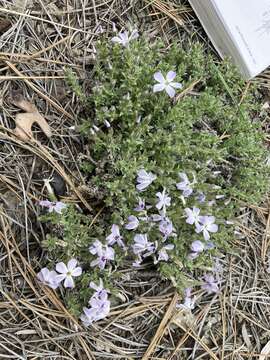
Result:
pixel 176 145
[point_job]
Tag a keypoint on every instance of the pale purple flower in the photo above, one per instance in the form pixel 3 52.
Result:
pixel 162 254
pixel 133 223
pixel 123 38
pixel 164 200
pixel 157 217
pixel 67 272
pixel 185 185
pixel 49 278
pixel 166 228
pixel 104 253
pixel 207 225
pixel 142 246
pixel 167 83
pixel 115 237
pixel 210 284
pixel 98 288
pixel 209 245
pixel 201 197
pixel 57 206
pixel 197 246
pixel 189 302
pixel 99 308
pixel 140 206
pixel 192 215
pixel 144 179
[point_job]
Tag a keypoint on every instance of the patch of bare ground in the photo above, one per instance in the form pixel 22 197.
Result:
pixel 38 41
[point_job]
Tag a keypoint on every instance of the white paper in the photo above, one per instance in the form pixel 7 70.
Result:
pixel 248 23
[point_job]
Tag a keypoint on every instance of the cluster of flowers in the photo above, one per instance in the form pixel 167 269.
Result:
pixel 99 305
pixel 64 272
pixel 142 246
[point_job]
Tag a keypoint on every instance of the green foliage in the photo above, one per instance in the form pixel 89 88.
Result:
pixel 208 129
pixel 211 131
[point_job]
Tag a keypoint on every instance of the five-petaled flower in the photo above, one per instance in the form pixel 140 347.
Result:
pixel 141 205
pixel 164 200
pixel 167 83
pixel 142 246
pixel 67 272
pixel 99 289
pixel 133 223
pixel 104 253
pixel 210 284
pixel 192 215
pixel 196 247
pixel 56 206
pixel 185 185
pixel 115 237
pixel 144 179
pixel 162 254
pixel 166 228
pixel 206 225
pixel 49 278
pixel 123 38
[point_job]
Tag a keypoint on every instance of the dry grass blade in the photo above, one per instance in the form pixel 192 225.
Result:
pixel 162 328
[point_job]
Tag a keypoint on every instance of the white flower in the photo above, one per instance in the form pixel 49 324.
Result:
pixel 49 278
pixel 142 245
pixel 185 185
pixel 56 206
pixel 124 39
pixel 104 254
pixel 144 179
pixel 115 237
pixel 164 200
pixel 67 272
pixel 193 216
pixel 133 223
pixel 162 254
pixel 166 84
pixel 207 225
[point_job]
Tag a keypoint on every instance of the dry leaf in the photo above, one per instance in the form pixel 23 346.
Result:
pixel 265 353
pixel 25 121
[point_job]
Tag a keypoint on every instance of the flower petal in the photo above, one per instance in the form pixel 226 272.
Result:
pixel 158 87
pixel 212 228
pixel 176 85
pixel 69 282
pixel 206 235
pixel 159 77
pixel 61 268
pixel 77 271
pixel 170 76
pixel 72 264
pixel 60 278
pixel 170 91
